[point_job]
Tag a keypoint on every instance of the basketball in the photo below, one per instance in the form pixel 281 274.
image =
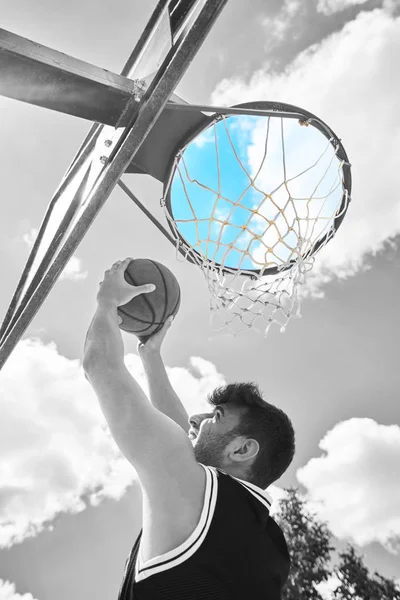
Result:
pixel 146 314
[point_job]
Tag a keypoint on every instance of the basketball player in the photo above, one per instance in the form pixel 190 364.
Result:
pixel 206 532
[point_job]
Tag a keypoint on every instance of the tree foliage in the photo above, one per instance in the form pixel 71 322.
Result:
pixel 309 544
pixel 356 582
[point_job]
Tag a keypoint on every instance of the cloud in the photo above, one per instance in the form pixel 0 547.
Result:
pixel 7 592
pixel 299 24
pixel 30 237
pixel 56 453
pixel 73 270
pixel 194 389
pixel 205 138
pixel 277 494
pixel 337 81
pixel 329 7
pixel 328 587
pixel 354 484
pixel 278 26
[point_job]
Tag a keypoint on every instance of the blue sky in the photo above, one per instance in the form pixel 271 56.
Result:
pixel 70 505
pixel 241 164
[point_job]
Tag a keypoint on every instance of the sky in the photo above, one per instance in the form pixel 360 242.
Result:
pixel 70 504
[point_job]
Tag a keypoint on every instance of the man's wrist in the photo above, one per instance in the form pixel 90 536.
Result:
pixel 150 353
pixel 151 360
pixel 107 307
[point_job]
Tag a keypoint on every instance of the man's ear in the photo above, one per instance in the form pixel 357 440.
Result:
pixel 246 450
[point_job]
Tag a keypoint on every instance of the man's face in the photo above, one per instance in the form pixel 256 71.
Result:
pixel 213 434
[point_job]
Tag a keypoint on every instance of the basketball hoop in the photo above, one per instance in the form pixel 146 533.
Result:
pixel 256 240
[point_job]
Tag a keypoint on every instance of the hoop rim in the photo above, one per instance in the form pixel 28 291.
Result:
pixel 184 247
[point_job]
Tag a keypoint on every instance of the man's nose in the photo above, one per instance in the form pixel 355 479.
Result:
pixel 195 420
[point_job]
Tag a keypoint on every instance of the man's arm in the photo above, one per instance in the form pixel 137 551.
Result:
pixel 162 395
pixel 151 441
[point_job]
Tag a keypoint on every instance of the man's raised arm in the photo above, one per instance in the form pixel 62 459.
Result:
pixel 157 447
pixel 162 395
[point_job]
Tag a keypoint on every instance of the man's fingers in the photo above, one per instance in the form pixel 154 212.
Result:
pixel 125 263
pixel 120 264
pixel 146 289
pixel 156 340
pixel 166 326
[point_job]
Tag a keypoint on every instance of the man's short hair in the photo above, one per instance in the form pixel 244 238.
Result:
pixel 264 422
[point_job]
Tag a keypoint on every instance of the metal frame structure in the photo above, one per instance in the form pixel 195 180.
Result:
pixel 190 23
pixel 140 127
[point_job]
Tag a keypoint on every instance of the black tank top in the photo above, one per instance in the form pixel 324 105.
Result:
pixel 237 551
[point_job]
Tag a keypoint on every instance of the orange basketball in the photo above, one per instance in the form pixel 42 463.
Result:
pixel 147 313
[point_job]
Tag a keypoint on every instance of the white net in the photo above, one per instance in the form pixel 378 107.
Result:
pixel 251 200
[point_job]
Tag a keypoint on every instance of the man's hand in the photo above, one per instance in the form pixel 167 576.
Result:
pixel 104 339
pixel 115 290
pixel 153 344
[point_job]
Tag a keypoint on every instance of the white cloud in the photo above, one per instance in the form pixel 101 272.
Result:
pixel 277 26
pixel 73 270
pixel 329 7
pixel 354 484
pixel 277 494
pixel 205 138
pixel 7 592
pixel 56 453
pixel 193 389
pixel 192 385
pixel 327 588
pixel 337 81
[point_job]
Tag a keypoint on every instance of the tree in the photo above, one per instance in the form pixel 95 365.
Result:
pixel 308 542
pixel 356 583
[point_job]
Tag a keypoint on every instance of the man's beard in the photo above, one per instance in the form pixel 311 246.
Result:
pixel 209 448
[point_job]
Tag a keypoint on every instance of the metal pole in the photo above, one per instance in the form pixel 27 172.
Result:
pixel 164 83
pixel 224 110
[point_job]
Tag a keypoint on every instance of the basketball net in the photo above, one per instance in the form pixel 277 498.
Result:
pixel 280 236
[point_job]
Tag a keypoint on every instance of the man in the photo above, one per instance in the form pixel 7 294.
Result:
pixel 206 533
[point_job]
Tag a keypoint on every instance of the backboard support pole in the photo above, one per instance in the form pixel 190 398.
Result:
pixel 144 118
